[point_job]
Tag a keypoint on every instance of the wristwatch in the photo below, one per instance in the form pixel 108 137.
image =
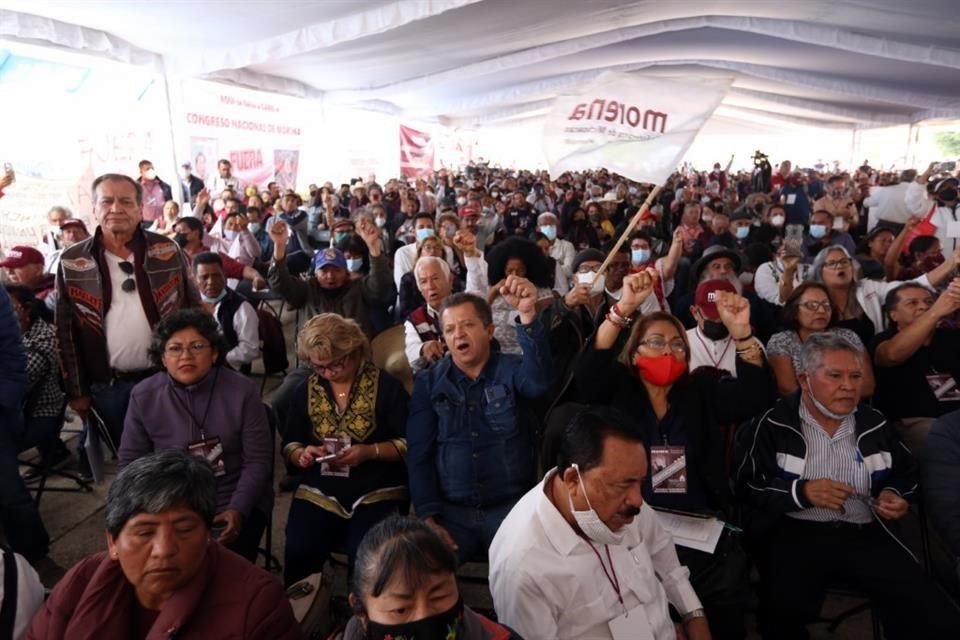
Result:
pixel 696 613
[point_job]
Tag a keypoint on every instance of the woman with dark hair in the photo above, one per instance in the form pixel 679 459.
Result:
pixel 163 575
pixel 196 405
pixel 580 232
pixel 873 250
pixel 559 275
pixel 684 419
pixel 512 257
pixel 346 431
pixel 807 311
pixel 405 586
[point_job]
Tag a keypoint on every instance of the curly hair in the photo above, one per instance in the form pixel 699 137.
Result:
pixel 198 319
pixel 538 269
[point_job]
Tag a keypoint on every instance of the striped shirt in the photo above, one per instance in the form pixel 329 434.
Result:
pixel 836 458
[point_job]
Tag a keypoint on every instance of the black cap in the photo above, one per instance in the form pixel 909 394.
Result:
pixel 712 253
pixel 587 255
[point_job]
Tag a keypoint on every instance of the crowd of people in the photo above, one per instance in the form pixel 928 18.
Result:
pixel 486 375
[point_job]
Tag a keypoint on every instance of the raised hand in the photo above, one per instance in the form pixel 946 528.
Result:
pixel 734 312
pixel 521 295
pixel 279 233
pixel 637 287
pixel 370 234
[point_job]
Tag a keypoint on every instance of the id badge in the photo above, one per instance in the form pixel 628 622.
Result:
pixel 333 446
pixel 668 468
pixel 632 625
pixel 210 450
pixel 791 199
pixel 944 387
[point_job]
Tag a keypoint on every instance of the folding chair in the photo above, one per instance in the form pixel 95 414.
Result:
pixel 270 561
pixel 46 473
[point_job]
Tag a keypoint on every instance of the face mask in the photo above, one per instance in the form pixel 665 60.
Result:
pixel 708 218
pixel 150 175
pixel 461 201
pixel 218 298
pixel 639 256
pixel 589 520
pixel 180 239
pixel 587 278
pixel 495 194
pixel 818 230
pixel 948 194
pixel 661 371
pixel 488 211
pixel 714 330
pixel 230 234
pixel 777 220
pixel 423 234
pixel 450 229
pixel 742 233
pixel 443 626
pixel 380 222
pixel 340 236
pixel 550 231
pixel 354 264
pixel 254 227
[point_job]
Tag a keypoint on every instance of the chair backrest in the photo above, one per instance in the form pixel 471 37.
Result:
pixel 388 354
pixel 274 349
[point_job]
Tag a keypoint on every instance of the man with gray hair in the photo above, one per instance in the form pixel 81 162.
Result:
pixel 423 338
pixel 825 473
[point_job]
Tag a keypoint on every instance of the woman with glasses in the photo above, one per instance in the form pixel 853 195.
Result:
pixel 345 430
pixel 197 405
pixel 858 302
pixel 684 418
pixel 808 310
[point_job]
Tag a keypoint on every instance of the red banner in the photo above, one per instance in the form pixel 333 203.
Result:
pixel 416 152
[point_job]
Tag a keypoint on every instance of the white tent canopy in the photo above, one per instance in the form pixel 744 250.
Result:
pixel 477 63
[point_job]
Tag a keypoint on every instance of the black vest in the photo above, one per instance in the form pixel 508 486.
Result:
pixel 225 312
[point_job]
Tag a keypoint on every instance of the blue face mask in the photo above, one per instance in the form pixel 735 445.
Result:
pixel 550 231
pixel 639 256
pixel 742 233
pixel 423 234
pixel 254 227
pixel 209 300
pixel 354 264
pixel 818 230
pixel 340 236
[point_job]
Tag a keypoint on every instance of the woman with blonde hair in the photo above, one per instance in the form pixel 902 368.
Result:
pixel 345 430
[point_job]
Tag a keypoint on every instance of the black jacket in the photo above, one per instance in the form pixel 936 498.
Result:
pixel 773 453
pixel 941 478
pixel 196 186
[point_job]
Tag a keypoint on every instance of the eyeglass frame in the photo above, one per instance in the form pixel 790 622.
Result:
pixel 646 342
pixel 840 263
pixel 336 366
pixel 824 305
pixel 195 348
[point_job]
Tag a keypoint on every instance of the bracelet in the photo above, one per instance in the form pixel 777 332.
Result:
pixel 376 449
pixel 623 323
pixel 620 314
pixel 745 338
pixel 696 613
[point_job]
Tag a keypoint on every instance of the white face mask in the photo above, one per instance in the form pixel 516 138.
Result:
pixel 823 409
pixel 380 222
pixel 777 220
pixel 461 201
pixel 150 174
pixel 587 278
pixel 230 234
pixel 589 521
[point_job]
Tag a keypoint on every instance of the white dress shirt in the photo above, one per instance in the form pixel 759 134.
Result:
pixel 564 253
pixel 547 582
pixel 705 352
pixel 247 325
pixel 126 325
pixel 766 281
pixel 887 203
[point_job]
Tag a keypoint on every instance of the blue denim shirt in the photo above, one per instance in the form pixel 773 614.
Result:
pixel 469 442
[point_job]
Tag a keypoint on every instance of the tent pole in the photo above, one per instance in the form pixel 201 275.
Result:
pixel 627 231
pixel 178 192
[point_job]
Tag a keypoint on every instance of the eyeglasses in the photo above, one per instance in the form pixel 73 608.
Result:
pixel 129 285
pixel 177 350
pixel 326 369
pixel 837 264
pixel 813 305
pixel 659 344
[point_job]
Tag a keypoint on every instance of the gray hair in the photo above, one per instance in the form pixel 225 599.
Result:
pixel 158 482
pixel 66 212
pixel 816 272
pixel 425 260
pixel 546 214
pixel 811 353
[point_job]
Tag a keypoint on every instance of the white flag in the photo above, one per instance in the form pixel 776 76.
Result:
pixel 635 126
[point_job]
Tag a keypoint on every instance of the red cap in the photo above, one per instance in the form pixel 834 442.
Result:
pixel 706 296
pixel 73 222
pixel 20 257
pixel 468 210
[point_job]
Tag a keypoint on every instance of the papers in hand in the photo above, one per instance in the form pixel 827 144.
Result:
pixel 700 533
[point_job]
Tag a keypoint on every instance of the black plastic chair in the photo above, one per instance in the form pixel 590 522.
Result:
pixel 270 561
pixel 46 473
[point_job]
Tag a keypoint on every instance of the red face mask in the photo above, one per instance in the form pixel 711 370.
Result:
pixel 660 370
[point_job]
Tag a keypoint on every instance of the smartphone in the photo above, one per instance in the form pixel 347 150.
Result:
pixel 948 166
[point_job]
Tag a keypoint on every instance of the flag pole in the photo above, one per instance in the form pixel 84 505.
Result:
pixel 626 232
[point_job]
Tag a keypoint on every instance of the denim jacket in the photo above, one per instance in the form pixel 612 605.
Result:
pixel 469 442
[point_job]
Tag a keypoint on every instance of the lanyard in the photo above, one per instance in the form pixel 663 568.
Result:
pixel 709 351
pixel 186 406
pixel 611 575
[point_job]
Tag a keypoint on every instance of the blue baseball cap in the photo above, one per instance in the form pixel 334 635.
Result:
pixel 329 258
